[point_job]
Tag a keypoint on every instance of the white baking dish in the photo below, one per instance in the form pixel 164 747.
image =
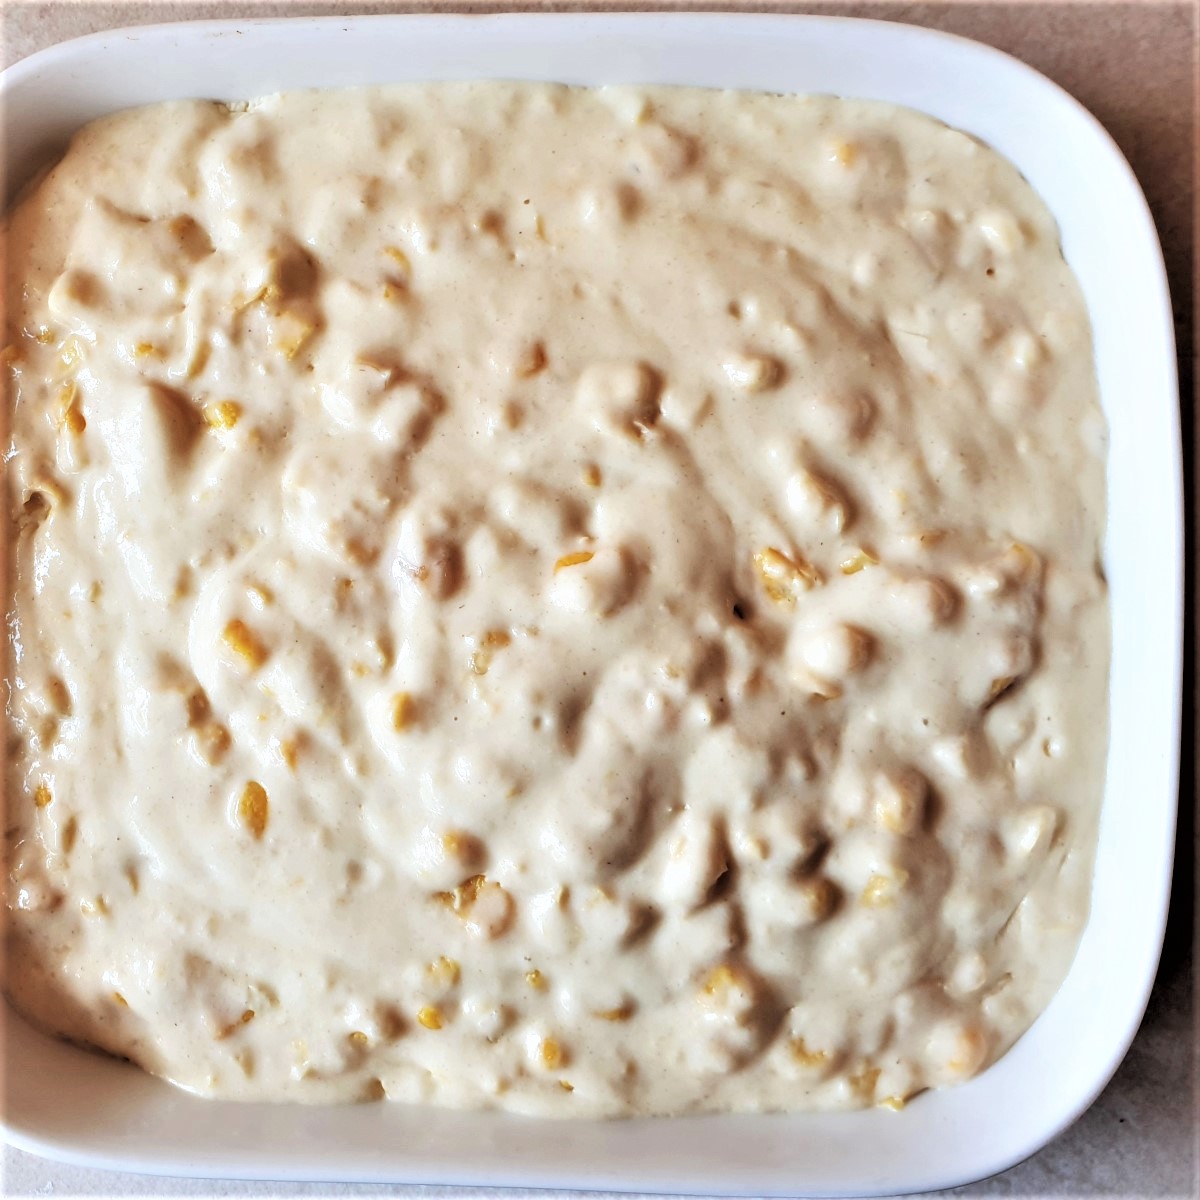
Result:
pixel 85 1109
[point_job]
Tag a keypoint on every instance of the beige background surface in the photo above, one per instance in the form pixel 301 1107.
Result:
pixel 1134 64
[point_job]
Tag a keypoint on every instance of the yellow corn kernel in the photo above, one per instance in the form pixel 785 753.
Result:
pixel 358 1039
pixel 536 980
pixel 804 1056
pixel 844 153
pixel 70 354
pixel 784 578
pixel 495 640
pixel 403 711
pixel 1000 686
pixel 232 1028
pixel 854 564
pixel 75 421
pixel 720 979
pixel 146 350
pixel 254 808
pixel 864 1081
pixel 224 415
pixel 881 889
pixel 213 742
pixel 69 834
pixel 566 1087
pixel 289 750
pixel 67 395
pixel 551 1053
pixel 43 797
pixel 245 643
pixel 573 560
pixel 289 341
pixel 199 360
pixel 45 335
pixel 445 970
pixel 622 1012
pixel 120 1000
pixel 94 908
pixel 895 1103
pixel 969 1053
pixel 430 1017
pixel 399 258
pixel 464 895
pixel 592 476
pixel 260 594
pixel 241 303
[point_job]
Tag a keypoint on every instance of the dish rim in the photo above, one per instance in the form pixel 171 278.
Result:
pixel 628 25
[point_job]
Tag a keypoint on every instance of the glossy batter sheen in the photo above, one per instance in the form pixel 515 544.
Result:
pixel 580 601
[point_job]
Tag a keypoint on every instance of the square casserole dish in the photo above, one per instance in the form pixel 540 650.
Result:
pixel 81 1108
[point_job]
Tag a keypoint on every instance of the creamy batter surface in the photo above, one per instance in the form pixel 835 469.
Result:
pixel 583 601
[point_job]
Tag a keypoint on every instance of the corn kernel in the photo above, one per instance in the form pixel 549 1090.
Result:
pixel 843 153
pixel 70 354
pixel 445 970
pixel 495 640
pixel 784 578
pixel 464 895
pixel 146 350
pixel 241 303
pixel 720 980
pixel 622 1012
pixel 399 258
pixel 592 476
pixel 260 594
pixel 199 360
pixel 293 335
pixel 895 1103
pixel 573 560
pixel 43 797
pixel 566 1087
pixel 536 980
pixel 245 643
pixel 854 564
pixel 224 415
pixel 120 1000
pixel 552 1054
pixel 253 808
pixel 213 742
pixel 232 1028
pixel 865 1080
pixel 430 1017
pixel 804 1056
pixel 358 1039
pixel 881 889
pixel 403 711
pixel 69 834
pixel 94 908
pixel 45 335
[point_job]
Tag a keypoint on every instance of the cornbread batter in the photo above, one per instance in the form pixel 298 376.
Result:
pixel 578 601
